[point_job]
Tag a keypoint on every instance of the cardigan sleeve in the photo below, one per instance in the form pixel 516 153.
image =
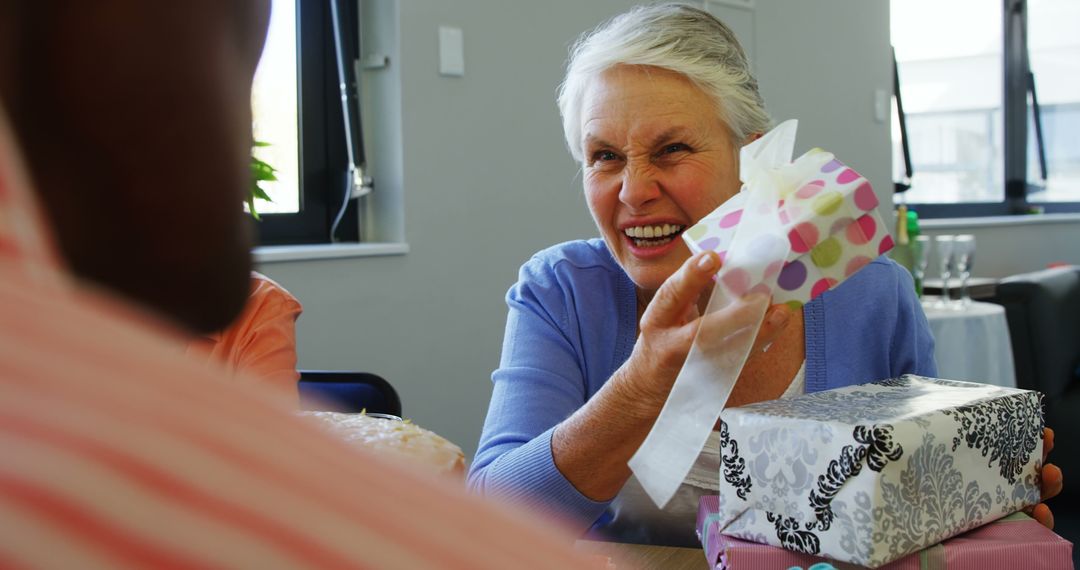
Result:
pixel 540 382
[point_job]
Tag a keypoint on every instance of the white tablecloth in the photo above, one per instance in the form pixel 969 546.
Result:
pixel 972 344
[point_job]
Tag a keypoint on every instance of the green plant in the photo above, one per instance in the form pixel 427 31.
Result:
pixel 260 172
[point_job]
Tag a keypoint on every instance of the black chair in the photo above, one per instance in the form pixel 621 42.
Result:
pixel 336 391
pixel 1043 312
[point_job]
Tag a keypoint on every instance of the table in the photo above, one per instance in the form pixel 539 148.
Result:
pixel 644 557
pixel 972 344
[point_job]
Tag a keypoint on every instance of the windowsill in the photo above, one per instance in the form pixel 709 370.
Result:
pixel 997 221
pixel 278 253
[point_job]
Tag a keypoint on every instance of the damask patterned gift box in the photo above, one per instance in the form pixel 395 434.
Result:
pixel 1013 542
pixel 868 474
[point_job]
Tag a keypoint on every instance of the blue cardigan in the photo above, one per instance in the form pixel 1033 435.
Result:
pixel 572 323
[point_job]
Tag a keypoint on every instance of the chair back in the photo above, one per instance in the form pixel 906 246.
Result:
pixel 343 391
pixel 1043 312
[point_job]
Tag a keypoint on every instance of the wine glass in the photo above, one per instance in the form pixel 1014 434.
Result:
pixel 922 259
pixel 964 249
pixel 946 257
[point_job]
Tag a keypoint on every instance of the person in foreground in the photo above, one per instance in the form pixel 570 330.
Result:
pixel 656 104
pixel 120 451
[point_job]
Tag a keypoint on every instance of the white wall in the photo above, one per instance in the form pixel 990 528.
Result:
pixel 486 180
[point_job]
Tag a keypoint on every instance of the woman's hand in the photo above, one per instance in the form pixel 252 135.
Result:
pixel 591 447
pixel 1051 483
pixel 670 322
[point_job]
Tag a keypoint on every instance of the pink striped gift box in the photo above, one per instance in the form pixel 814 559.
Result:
pixel 1011 543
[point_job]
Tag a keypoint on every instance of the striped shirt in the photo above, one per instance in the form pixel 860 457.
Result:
pixel 120 452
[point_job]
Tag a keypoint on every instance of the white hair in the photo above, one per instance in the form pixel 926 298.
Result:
pixel 672 36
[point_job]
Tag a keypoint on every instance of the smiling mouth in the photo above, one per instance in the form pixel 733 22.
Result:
pixel 653 236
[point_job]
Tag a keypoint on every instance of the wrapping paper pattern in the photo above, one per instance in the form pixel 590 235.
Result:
pixel 868 474
pixel 828 213
pixel 797 229
pixel 1016 541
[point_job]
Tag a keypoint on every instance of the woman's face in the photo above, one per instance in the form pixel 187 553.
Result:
pixel 657 159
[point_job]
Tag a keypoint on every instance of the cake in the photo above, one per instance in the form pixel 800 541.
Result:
pixel 392 437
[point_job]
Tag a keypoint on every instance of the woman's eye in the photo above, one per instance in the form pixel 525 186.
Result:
pixel 604 156
pixel 675 147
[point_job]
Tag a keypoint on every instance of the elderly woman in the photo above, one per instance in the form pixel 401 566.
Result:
pixel 656 105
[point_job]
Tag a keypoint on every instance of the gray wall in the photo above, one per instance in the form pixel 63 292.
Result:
pixel 822 62
pixel 480 164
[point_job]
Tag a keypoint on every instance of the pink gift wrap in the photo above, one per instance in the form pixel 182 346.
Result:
pixel 1016 542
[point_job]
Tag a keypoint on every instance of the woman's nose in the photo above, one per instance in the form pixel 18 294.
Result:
pixel 639 187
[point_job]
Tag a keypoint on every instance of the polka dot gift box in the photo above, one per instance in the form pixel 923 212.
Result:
pixel 826 211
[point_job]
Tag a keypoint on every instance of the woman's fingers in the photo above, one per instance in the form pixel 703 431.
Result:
pixel 1051 486
pixel 731 324
pixel 1052 481
pixel 675 304
pixel 671 320
pixel 775 320
pixel 1042 513
pixel 677 298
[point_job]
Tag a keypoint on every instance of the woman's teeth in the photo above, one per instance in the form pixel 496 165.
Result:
pixel 653 236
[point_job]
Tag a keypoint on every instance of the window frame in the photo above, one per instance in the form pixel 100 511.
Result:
pixel 1016 113
pixel 323 160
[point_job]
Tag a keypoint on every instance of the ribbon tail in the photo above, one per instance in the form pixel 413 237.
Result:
pixel 725 336
pixel 700 391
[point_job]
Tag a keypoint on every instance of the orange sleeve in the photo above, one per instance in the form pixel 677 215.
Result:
pixel 261 344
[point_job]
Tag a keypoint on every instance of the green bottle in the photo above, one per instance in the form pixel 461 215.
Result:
pixel 901 251
pixel 918 256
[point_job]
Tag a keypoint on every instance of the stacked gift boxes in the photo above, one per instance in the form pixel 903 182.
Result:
pixel 871 473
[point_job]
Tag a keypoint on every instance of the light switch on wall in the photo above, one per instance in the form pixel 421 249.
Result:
pixel 451 51
pixel 882 105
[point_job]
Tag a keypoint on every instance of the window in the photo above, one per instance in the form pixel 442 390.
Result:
pixel 297 109
pixel 969 106
pixel 275 114
pixel 1054 50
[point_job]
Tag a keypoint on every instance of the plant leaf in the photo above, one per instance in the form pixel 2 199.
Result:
pixel 251 209
pixel 261 171
pixel 258 192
